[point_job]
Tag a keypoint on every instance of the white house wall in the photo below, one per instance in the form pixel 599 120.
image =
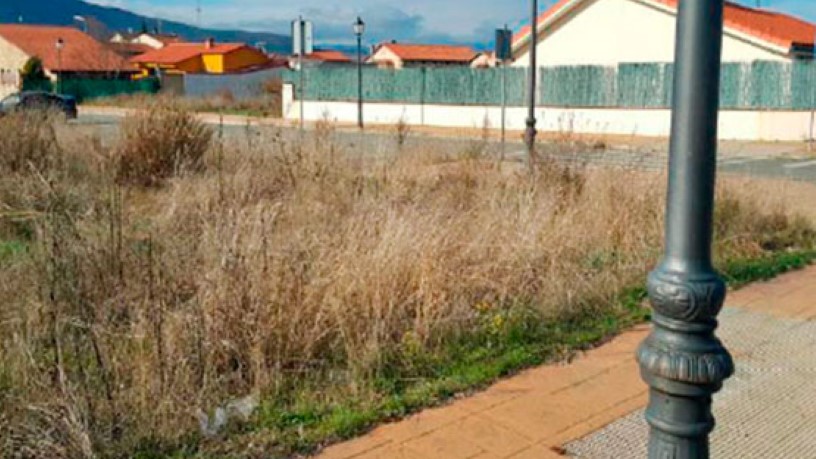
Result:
pixel 609 32
pixel 384 56
pixel 12 60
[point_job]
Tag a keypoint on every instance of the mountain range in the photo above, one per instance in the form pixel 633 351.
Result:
pixel 101 21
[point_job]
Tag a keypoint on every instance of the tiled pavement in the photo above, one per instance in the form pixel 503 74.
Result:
pixel 535 414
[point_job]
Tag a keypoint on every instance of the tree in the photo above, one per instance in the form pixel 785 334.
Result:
pixel 32 75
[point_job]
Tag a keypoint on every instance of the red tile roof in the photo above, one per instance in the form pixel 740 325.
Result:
pixel 777 28
pixel 431 53
pixel 175 53
pixel 81 52
pixel 129 49
pixel 328 55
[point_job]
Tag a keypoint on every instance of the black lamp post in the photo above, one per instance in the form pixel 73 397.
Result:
pixel 60 44
pixel 682 360
pixel 359 29
pixel 530 133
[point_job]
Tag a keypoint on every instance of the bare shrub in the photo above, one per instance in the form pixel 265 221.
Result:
pixel 401 132
pixel 159 143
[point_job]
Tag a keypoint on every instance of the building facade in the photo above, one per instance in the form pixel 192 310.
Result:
pixel 207 57
pixel 401 55
pixel 611 32
pixel 79 55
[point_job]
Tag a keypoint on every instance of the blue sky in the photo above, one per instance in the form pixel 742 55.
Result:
pixel 469 21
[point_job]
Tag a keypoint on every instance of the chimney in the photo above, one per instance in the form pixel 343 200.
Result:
pixel 209 43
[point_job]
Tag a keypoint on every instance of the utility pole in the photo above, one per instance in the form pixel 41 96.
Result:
pixel 530 133
pixel 682 360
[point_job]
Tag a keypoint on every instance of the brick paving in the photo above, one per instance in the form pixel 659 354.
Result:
pixel 537 413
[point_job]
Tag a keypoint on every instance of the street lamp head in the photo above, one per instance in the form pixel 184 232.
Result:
pixel 79 18
pixel 60 44
pixel 359 27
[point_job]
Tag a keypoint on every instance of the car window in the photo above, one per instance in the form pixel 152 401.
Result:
pixel 10 101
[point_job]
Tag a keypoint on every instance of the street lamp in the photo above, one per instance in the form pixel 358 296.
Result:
pixel 530 133
pixel 682 360
pixel 60 44
pixel 83 21
pixel 359 29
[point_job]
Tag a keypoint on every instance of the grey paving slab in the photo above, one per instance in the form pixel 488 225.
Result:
pixel 766 411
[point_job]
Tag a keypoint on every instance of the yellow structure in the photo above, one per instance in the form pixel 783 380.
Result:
pixel 206 57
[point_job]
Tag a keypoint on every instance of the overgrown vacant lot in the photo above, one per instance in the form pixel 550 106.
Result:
pixel 144 286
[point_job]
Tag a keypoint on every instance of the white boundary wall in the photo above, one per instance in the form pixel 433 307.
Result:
pixel 734 124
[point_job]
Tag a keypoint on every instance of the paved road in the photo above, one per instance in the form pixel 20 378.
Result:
pixel 759 161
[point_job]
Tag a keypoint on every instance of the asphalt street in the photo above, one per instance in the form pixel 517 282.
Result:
pixel 756 161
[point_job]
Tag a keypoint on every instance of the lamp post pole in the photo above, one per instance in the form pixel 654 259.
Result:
pixel 530 133
pixel 302 38
pixel 60 44
pixel 682 360
pixel 812 95
pixel 359 28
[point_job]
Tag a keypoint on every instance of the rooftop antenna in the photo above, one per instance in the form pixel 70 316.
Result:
pixel 198 13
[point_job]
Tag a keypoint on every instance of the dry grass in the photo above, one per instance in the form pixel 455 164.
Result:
pixel 268 104
pixel 282 265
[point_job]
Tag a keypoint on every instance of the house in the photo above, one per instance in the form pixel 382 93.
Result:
pixel 321 58
pixel 611 32
pixel 206 57
pixel 485 60
pixel 152 40
pixel 80 56
pixel 129 50
pixel 328 56
pixel 400 55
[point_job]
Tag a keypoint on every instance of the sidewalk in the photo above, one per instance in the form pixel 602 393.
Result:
pixel 592 407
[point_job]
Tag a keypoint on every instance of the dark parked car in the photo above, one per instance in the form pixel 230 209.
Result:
pixel 39 100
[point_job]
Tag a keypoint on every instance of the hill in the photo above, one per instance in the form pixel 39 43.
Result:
pixel 61 12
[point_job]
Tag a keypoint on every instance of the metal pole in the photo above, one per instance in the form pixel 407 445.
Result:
pixel 530 133
pixel 59 70
pixel 503 109
pixel 812 95
pixel 682 360
pixel 300 66
pixel 360 81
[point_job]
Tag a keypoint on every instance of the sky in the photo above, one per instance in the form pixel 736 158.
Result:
pixel 465 21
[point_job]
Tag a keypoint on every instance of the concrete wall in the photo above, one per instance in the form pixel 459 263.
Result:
pixel 609 32
pixel 734 124
pixel 241 85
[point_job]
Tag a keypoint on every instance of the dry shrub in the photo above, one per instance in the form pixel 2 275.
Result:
pixel 159 143
pixel 28 141
pixel 288 264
